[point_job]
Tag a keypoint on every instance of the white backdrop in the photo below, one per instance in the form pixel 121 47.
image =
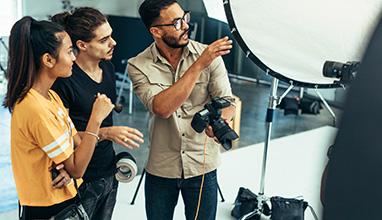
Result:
pixel 10 12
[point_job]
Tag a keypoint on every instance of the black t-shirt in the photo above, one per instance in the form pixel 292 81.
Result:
pixel 78 94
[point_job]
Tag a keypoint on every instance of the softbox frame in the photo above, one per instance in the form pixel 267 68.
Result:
pixel 292 39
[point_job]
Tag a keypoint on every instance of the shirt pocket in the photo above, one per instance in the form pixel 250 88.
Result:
pixel 199 94
pixel 160 79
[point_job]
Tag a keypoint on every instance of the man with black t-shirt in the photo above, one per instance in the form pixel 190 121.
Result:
pixel 93 73
pixel 77 93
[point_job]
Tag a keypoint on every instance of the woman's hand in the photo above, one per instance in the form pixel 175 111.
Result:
pixel 62 179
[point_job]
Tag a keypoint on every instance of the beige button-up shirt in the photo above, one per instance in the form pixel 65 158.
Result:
pixel 174 146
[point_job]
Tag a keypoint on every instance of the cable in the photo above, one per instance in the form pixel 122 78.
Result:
pixel 202 183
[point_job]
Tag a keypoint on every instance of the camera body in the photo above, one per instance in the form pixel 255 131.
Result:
pixel 54 172
pixel 211 115
pixel 126 167
pixel 346 72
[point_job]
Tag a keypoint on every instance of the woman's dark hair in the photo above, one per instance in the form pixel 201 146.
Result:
pixel 28 41
pixel 150 10
pixel 81 23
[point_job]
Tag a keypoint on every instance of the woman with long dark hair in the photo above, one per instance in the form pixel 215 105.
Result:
pixel 42 134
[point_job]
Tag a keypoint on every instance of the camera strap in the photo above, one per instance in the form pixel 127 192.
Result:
pixel 202 182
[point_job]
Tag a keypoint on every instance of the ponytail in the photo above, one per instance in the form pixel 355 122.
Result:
pixel 21 66
pixel 28 41
pixel 61 18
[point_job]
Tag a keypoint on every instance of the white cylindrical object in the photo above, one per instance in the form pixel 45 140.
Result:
pixel 126 170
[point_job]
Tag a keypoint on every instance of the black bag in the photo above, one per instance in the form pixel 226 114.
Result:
pixel 74 211
pixel 289 209
pixel 290 105
pixel 246 202
pixel 309 106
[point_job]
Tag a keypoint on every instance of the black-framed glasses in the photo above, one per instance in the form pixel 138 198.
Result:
pixel 178 22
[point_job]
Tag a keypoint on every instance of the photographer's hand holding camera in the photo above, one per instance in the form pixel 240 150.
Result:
pixel 175 78
pixel 227 116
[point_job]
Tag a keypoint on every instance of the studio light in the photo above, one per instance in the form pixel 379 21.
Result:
pixel 292 39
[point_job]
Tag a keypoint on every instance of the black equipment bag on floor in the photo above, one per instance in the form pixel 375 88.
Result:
pixel 246 202
pixel 289 208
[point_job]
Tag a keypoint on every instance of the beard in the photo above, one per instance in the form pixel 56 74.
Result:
pixel 173 42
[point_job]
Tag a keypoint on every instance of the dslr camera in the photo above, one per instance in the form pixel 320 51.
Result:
pixel 346 72
pixel 211 115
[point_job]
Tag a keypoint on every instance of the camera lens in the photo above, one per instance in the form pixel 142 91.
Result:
pixel 224 133
pixel 333 69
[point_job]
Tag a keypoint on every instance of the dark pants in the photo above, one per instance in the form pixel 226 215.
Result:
pixel 161 196
pixel 42 212
pixel 99 196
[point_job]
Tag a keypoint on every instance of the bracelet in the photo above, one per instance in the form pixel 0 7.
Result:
pixel 92 134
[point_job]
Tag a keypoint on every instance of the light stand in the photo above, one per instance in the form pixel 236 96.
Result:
pixel 327 106
pixel 2 68
pixel 3 43
pixel 273 102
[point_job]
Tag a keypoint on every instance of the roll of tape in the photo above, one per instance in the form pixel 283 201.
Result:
pixel 126 168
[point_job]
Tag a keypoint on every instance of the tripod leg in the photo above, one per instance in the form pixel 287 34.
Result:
pixel 255 215
pixel 139 185
pixel 221 194
pixel 2 68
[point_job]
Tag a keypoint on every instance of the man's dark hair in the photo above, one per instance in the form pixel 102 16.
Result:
pixel 81 23
pixel 150 10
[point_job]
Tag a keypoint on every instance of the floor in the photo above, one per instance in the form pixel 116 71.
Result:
pixel 294 168
pixel 254 99
pixel 303 158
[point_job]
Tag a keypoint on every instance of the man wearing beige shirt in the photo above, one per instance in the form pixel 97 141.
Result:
pixel 174 78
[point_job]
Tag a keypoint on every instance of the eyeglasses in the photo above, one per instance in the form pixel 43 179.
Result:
pixel 178 22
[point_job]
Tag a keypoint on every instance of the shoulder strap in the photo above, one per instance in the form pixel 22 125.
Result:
pixel 78 198
pixel 313 212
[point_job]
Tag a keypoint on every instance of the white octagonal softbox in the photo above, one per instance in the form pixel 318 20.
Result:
pixel 292 39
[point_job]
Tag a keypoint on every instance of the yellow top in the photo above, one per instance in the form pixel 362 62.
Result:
pixel 41 136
